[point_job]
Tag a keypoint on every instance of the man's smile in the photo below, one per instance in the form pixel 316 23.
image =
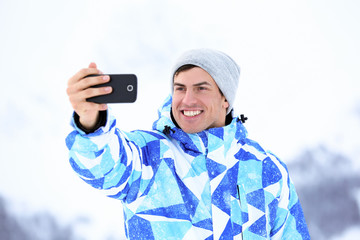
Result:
pixel 191 113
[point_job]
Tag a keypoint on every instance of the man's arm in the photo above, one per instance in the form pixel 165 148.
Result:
pixel 290 221
pixel 99 153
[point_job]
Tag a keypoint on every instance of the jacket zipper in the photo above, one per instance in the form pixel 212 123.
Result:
pixel 241 234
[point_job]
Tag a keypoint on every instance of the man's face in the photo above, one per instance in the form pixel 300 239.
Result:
pixel 197 103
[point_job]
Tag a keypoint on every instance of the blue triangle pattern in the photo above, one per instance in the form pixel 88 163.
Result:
pixel 70 139
pixel 272 209
pixel 155 135
pixel 222 195
pixel 178 211
pixel 237 229
pixel 133 191
pixel 217 132
pixel 259 227
pixel 244 217
pixel 98 153
pixel 205 224
pixel 214 168
pixel 82 172
pixel 125 176
pixel 203 138
pixel 257 199
pixel 270 173
pixel 210 238
pixel 232 175
pixel 254 144
pixel 151 153
pixel 243 155
pixel 190 200
pixel 149 187
pixel 95 183
pixel 157 196
pixel 187 144
pixel 139 228
pixel 228 232
pixel 297 212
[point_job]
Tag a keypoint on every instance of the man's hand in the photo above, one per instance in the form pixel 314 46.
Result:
pixel 79 90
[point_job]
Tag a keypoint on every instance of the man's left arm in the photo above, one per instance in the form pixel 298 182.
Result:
pixel 290 221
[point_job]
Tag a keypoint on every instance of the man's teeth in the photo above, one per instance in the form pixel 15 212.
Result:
pixel 192 113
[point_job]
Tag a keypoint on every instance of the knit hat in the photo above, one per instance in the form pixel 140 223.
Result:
pixel 220 66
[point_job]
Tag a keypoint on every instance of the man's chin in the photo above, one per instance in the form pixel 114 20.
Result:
pixel 191 129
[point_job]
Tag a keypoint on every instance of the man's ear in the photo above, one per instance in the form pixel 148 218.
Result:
pixel 226 104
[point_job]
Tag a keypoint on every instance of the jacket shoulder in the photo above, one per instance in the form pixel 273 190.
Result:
pixel 260 168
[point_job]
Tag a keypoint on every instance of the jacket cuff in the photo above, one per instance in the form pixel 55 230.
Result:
pixel 100 123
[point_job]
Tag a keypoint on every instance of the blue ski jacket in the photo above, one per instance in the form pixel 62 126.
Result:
pixel 215 184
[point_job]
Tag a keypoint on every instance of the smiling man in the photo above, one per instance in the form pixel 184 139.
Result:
pixel 195 175
pixel 197 101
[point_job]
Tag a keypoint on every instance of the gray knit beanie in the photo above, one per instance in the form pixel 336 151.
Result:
pixel 220 66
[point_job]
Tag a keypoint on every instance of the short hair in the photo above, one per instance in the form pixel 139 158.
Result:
pixel 184 68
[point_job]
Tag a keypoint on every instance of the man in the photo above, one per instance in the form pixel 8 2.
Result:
pixel 195 175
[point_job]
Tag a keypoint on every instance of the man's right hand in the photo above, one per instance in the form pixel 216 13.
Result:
pixel 79 90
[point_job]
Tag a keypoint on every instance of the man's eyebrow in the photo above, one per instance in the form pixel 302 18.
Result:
pixel 201 83
pixel 195 85
pixel 179 84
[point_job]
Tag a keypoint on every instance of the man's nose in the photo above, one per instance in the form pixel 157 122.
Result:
pixel 189 98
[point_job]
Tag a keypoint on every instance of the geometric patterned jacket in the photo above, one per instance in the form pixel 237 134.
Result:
pixel 215 184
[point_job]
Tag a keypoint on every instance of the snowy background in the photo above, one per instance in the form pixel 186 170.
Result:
pixel 299 87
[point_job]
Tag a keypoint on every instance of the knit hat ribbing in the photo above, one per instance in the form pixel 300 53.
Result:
pixel 222 68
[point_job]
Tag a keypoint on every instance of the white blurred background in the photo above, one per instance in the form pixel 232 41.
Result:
pixel 299 87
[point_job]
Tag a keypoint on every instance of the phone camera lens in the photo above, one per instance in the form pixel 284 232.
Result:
pixel 130 88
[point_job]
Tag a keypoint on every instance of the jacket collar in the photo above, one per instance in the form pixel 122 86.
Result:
pixel 196 143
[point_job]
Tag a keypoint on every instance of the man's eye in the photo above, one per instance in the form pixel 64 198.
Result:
pixel 179 89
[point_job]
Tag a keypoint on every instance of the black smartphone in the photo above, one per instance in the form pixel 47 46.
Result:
pixel 124 89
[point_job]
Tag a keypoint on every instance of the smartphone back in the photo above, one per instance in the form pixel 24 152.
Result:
pixel 124 89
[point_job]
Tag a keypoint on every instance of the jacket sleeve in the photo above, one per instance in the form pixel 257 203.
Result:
pixel 289 223
pixel 106 159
